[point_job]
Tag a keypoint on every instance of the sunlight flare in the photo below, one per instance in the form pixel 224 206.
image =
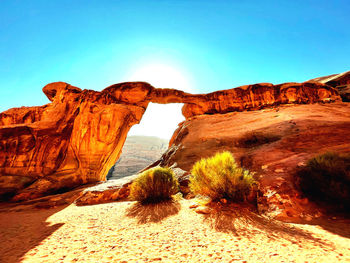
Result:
pixel 162 76
pixel 160 120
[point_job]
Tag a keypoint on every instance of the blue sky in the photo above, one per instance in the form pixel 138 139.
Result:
pixel 212 44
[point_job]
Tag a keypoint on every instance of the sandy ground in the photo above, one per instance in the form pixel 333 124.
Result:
pixel 170 232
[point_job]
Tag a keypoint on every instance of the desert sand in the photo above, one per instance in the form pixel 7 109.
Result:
pixel 167 232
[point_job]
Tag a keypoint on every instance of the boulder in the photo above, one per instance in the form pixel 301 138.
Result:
pixel 110 191
pixel 183 178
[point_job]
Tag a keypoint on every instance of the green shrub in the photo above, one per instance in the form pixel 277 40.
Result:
pixel 154 185
pixel 220 177
pixel 255 138
pixel 327 178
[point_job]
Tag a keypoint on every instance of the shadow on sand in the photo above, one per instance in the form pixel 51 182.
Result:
pixel 23 230
pixel 23 226
pixel 153 212
pixel 339 226
pixel 244 221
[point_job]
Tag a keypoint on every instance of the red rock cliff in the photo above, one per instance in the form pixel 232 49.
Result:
pixel 71 141
pixel 272 142
pixel 77 137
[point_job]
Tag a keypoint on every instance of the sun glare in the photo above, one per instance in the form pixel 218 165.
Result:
pixel 160 120
pixel 162 76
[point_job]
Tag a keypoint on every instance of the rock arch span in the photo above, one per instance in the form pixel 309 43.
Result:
pixel 77 137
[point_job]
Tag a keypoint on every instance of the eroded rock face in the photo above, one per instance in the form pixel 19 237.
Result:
pixel 77 137
pixel 339 81
pixel 258 96
pixel 272 142
pixel 72 141
pixel 110 191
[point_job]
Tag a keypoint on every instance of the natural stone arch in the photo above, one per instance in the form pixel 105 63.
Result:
pixel 79 135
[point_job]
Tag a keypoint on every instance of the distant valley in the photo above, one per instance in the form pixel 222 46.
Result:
pixel 138 153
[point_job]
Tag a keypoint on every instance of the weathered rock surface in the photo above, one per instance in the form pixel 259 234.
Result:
pixel 258 96
pixel 110 191
pixel 183 177
pixel 339 81
pixel 72 141
pixel 119 189
pixel 271 142
pixel 77 137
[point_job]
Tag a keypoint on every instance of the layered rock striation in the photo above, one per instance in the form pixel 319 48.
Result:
pixel 77 137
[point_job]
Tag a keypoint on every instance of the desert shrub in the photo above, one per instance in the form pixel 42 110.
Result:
pixel 255 138
pixel 153 185
pixel 326 177
pixel 220 177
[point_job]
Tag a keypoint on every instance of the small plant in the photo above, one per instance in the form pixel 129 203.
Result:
pixel 154 185
pixel 326 177
pixel 255 138
pixel 219 177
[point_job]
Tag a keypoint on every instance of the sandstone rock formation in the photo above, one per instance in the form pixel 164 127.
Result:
pixel 69 142
pixel 258 96
pixel 272 142
pixel 339 81
pixel 113 190
pixel 77 137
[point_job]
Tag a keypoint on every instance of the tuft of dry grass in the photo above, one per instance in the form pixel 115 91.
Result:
pixel 220 177
pixel 255 138
pixel 326 177
pixel 154 185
